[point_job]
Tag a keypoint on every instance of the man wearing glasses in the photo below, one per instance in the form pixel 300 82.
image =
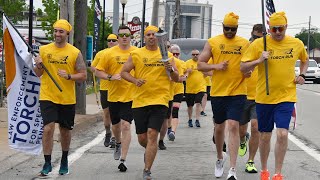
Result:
pixel 152 80
pixel 120 93
pixel 275 108
pixel 195 88
pixel 228 91
pixel 109 139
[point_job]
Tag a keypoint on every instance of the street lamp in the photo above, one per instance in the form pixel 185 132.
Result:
pixel 123 2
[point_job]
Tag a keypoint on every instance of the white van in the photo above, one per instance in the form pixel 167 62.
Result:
pixel 313 72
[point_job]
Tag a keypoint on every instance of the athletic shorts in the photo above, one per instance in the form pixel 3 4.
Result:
pixel 227 107
pixel 192 99
pixel 249 112
pixel 149 117
pixel 104 99
pixel 178 98
pixel 120 110
pixel 58 113
pixel 169 109
pixel 208 92
pixel 270 114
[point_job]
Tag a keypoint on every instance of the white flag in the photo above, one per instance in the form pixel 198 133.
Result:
pixel 25 125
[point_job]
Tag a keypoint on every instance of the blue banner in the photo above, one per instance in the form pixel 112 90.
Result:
pixel 96 24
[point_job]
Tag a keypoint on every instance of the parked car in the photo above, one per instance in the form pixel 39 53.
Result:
pixel 313 72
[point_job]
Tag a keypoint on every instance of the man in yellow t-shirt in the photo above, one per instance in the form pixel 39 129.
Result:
pixel 249 113
pixel 152 93
pixel 119 93
pixel 275 108
pixel 206 96
pixel 195 88
pixel 66 65
pixel 109 137
pixel 228 91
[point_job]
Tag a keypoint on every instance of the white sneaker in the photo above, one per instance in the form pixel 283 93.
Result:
pixel 218 171
pixel 232 174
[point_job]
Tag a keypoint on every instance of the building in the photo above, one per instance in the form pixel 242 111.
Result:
pixel 195 18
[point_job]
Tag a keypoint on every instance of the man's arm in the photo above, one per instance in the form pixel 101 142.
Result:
pixel 81 69
pixel 38 69
pixel 125 73
pixel 248 66
pixel 303 70
pixel 204 58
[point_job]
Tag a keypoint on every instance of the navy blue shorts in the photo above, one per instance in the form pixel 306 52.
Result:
pixel 270 114
pixel 228 107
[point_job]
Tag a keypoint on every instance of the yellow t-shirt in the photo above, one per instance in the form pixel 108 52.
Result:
pixel 178 86
pixel 195 82
pixel 112 63
pixel 252 84
pixel 55 58
pixel 97 58
pixel 230 82
pixel 156 90
pixel 281 64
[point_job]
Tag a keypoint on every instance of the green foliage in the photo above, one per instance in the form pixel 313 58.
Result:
pixel 39 12
pixel 107 27
pixel 51 10
pixel 314 37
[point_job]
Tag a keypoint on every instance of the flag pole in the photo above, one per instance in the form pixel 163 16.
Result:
pixel 265 47
pixel 34 54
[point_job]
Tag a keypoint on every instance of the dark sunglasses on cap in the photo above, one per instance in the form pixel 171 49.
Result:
pixel 112 40
pixel 124 34
pixel 233 29
pixel 195 54
pixel 176 54
pixel 277 28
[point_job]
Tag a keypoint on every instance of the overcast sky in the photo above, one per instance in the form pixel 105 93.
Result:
pixel 298 12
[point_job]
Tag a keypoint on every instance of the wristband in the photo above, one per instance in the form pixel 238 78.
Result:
pixel 69 77
pixel 303 76
pixel 109 77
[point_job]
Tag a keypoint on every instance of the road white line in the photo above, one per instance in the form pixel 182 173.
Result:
pixel 312 152
pixel 311 91
pixel 78 153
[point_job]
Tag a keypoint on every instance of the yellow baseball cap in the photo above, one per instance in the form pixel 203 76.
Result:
pixel 112 36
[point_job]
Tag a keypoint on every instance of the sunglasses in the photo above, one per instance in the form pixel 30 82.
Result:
pixel 112 40
pixel 124 34
pixel 233 29
pixel 176 54
pixel 277 28
pixel 195 54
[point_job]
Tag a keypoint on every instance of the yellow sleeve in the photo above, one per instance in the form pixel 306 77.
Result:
pixel 103 62
pixel 96 59
pixel 251 53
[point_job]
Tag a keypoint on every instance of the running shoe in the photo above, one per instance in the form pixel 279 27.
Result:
pixel 46 169
pixel 122 166
pixel 64 168
pixel 171 136
pixel 232 174
pixel 202 113
pixel 112 142
pixel 117 151
pixel 264 175
pixel 146 175
pixel 107 140
pixel 190 123
pixel 169 131
pixel 161 145
pixel 250 168
pixel 277 177
pixel 219 168
pixel 243 148
pixel 197 123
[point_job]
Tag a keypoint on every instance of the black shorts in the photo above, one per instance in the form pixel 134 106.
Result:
pixel 58 113
pixel 249 112
pixel 104 99
pixel 178 98
pixel 149 117
pixel 191 99
pixel 208 92
pixel 169 109
pixel 120 110
pixel 228 107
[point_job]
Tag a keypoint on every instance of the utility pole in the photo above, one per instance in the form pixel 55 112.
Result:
pixel 115 19
pixel 80 29
pixel 308 46
pixel 143 23
pixel 103 19
pixel 176 23
pixel 155 13
pixel 30 21
pixel 67 13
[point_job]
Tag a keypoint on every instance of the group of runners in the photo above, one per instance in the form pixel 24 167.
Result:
pixel 136 84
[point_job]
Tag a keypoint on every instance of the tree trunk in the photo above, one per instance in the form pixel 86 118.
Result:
pixel 80 34
pixel 67 12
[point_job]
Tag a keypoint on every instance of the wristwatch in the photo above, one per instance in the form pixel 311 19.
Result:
pixel 171 70
pixel 109 77
pixel 69 77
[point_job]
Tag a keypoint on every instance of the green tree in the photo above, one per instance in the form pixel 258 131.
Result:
pixel 50 17
pixel 314 37
pixel 107 27
pixel 39 12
